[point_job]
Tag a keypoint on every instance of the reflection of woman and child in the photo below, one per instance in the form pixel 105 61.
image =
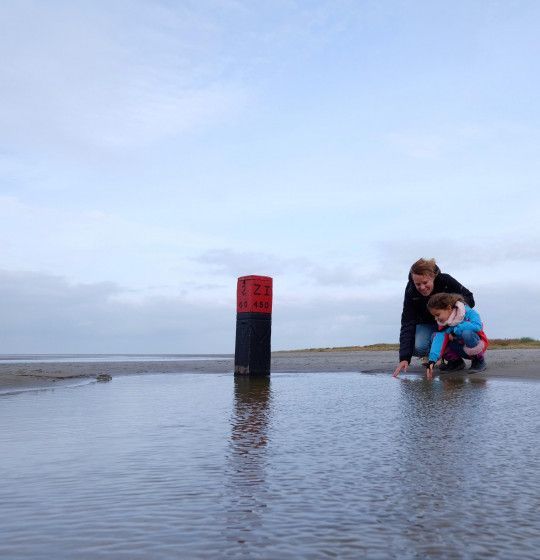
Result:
pixel 438 323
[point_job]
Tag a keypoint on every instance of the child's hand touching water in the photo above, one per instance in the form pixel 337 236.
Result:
pixel 429 370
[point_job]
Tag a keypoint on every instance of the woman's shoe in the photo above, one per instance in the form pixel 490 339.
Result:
pixel 452 365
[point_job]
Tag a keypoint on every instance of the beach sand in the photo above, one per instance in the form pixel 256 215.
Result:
pixel 506 364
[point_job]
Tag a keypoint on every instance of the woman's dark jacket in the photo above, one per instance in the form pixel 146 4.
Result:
pixel 415 309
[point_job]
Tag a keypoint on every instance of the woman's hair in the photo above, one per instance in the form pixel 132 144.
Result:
pixel 444 301
pixel 425 267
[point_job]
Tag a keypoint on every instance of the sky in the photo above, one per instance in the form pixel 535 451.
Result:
pixel 152 152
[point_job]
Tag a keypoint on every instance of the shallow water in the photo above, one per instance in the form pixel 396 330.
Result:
pixel 297 466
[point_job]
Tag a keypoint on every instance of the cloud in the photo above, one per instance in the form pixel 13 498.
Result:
pixel 468 250
pixel 510 311
pixel 228 261
pixel 335 321
pixel 238 263
pixel 98 245
pixel 140 142
pixel 388 269
pixel 419 145
pixel 44 313
pixel 430 143
pixel 47 314
pixel 77 76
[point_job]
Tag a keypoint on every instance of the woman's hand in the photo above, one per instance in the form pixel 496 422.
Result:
pixel 429 371
pixel 402 366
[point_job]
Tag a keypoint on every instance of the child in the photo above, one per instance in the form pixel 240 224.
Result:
pixel 460 334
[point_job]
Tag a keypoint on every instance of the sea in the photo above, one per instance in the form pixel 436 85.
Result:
pixel 99 358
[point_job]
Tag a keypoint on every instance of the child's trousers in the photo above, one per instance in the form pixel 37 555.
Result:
pixel 469 345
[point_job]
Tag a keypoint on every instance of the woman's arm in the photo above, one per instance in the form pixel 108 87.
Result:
pixel 454 287
pixel 406 335
pixel 408 329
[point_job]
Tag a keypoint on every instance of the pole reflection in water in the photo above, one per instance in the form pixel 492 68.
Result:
pixel 247 461
pixel 443 423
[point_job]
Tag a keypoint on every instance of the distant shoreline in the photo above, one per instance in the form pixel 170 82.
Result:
pixel 509 363
pixel 494 344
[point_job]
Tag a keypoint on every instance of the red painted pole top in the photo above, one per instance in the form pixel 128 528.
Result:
pixel 254 294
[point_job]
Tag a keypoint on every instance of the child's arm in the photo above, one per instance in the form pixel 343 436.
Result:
pixel 472 322
pixel 440 340
pixel 429 371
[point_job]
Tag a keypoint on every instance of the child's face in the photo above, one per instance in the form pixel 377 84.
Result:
pixel 441 315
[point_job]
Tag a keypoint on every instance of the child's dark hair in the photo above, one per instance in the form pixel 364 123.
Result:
pixel 444 301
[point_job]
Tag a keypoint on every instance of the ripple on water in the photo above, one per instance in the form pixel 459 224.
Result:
pixel 305 465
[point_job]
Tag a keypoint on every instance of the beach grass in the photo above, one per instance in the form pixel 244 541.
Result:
pixel 494 344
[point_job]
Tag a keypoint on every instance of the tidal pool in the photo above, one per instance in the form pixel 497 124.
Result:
pixel 315 465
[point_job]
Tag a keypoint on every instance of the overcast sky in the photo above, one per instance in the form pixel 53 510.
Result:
pixel 151 152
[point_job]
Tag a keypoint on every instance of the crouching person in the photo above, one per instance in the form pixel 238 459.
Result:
pixel 460 335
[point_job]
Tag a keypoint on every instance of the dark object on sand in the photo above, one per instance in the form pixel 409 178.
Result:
pixel 253 325
pixel 103 377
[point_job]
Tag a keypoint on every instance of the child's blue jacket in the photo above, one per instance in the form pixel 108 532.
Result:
pixel 471 322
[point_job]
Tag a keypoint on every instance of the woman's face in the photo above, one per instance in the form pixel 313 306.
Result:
pixel 423 283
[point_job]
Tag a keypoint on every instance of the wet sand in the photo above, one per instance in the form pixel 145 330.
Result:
pixel 506 364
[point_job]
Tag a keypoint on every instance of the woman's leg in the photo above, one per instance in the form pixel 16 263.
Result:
pixel 422 339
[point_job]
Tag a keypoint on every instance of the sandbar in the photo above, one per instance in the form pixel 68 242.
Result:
pixel 14 377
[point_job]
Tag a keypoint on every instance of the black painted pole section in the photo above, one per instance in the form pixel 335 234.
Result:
pixel 253 325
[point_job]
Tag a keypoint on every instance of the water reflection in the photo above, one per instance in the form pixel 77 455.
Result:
pixel 249 424
pixel 303 466
pixel 440 422
pixel 248 462
pixel 458 382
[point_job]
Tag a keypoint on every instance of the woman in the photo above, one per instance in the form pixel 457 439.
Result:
pixel 417 323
